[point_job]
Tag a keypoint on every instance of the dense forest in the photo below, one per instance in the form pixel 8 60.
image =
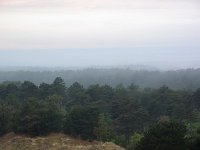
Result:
pixel 187 79
pixel 130 116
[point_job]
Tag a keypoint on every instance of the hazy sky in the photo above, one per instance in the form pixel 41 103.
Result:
pixel 100 32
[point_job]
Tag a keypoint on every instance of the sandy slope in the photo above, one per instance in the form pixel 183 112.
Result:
pixel 51 142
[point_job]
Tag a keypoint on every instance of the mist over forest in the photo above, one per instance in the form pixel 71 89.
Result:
pixel 183 79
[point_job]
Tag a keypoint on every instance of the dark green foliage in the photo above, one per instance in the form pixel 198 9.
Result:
pixel 103 131
pixel 6 116
pixel 29 117
pixel 52 115
pixel 39 118
pixel 75 90
pixel 121 140
pixel 76 95
pixel 101 112
pixel 28 89
pixel 193 141
pixel 82 122
pixel 164 136
pixel 130 118
pixel 197 98
pixel 58 87
pixel 135 138
pixel 97 92
pixel 45 90
pixel 127 113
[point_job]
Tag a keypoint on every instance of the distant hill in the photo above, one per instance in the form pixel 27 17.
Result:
pixel 187 79
pixel 58 68
pixel 51 142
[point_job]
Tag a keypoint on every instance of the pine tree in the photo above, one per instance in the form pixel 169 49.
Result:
pixel 103 131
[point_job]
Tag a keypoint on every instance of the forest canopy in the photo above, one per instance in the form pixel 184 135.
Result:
pixel 187 79
pixel 122 114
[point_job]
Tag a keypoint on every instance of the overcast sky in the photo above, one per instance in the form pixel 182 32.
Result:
pixel 100 32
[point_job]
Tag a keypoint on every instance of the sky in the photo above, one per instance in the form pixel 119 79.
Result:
pixel 162 33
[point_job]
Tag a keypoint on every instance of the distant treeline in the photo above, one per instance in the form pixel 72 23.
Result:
pixel 122 114
pixel 181 79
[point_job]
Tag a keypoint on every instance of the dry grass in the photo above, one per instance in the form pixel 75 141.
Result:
pixel 51 142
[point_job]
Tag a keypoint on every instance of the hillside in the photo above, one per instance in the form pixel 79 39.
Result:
pixel 51 142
